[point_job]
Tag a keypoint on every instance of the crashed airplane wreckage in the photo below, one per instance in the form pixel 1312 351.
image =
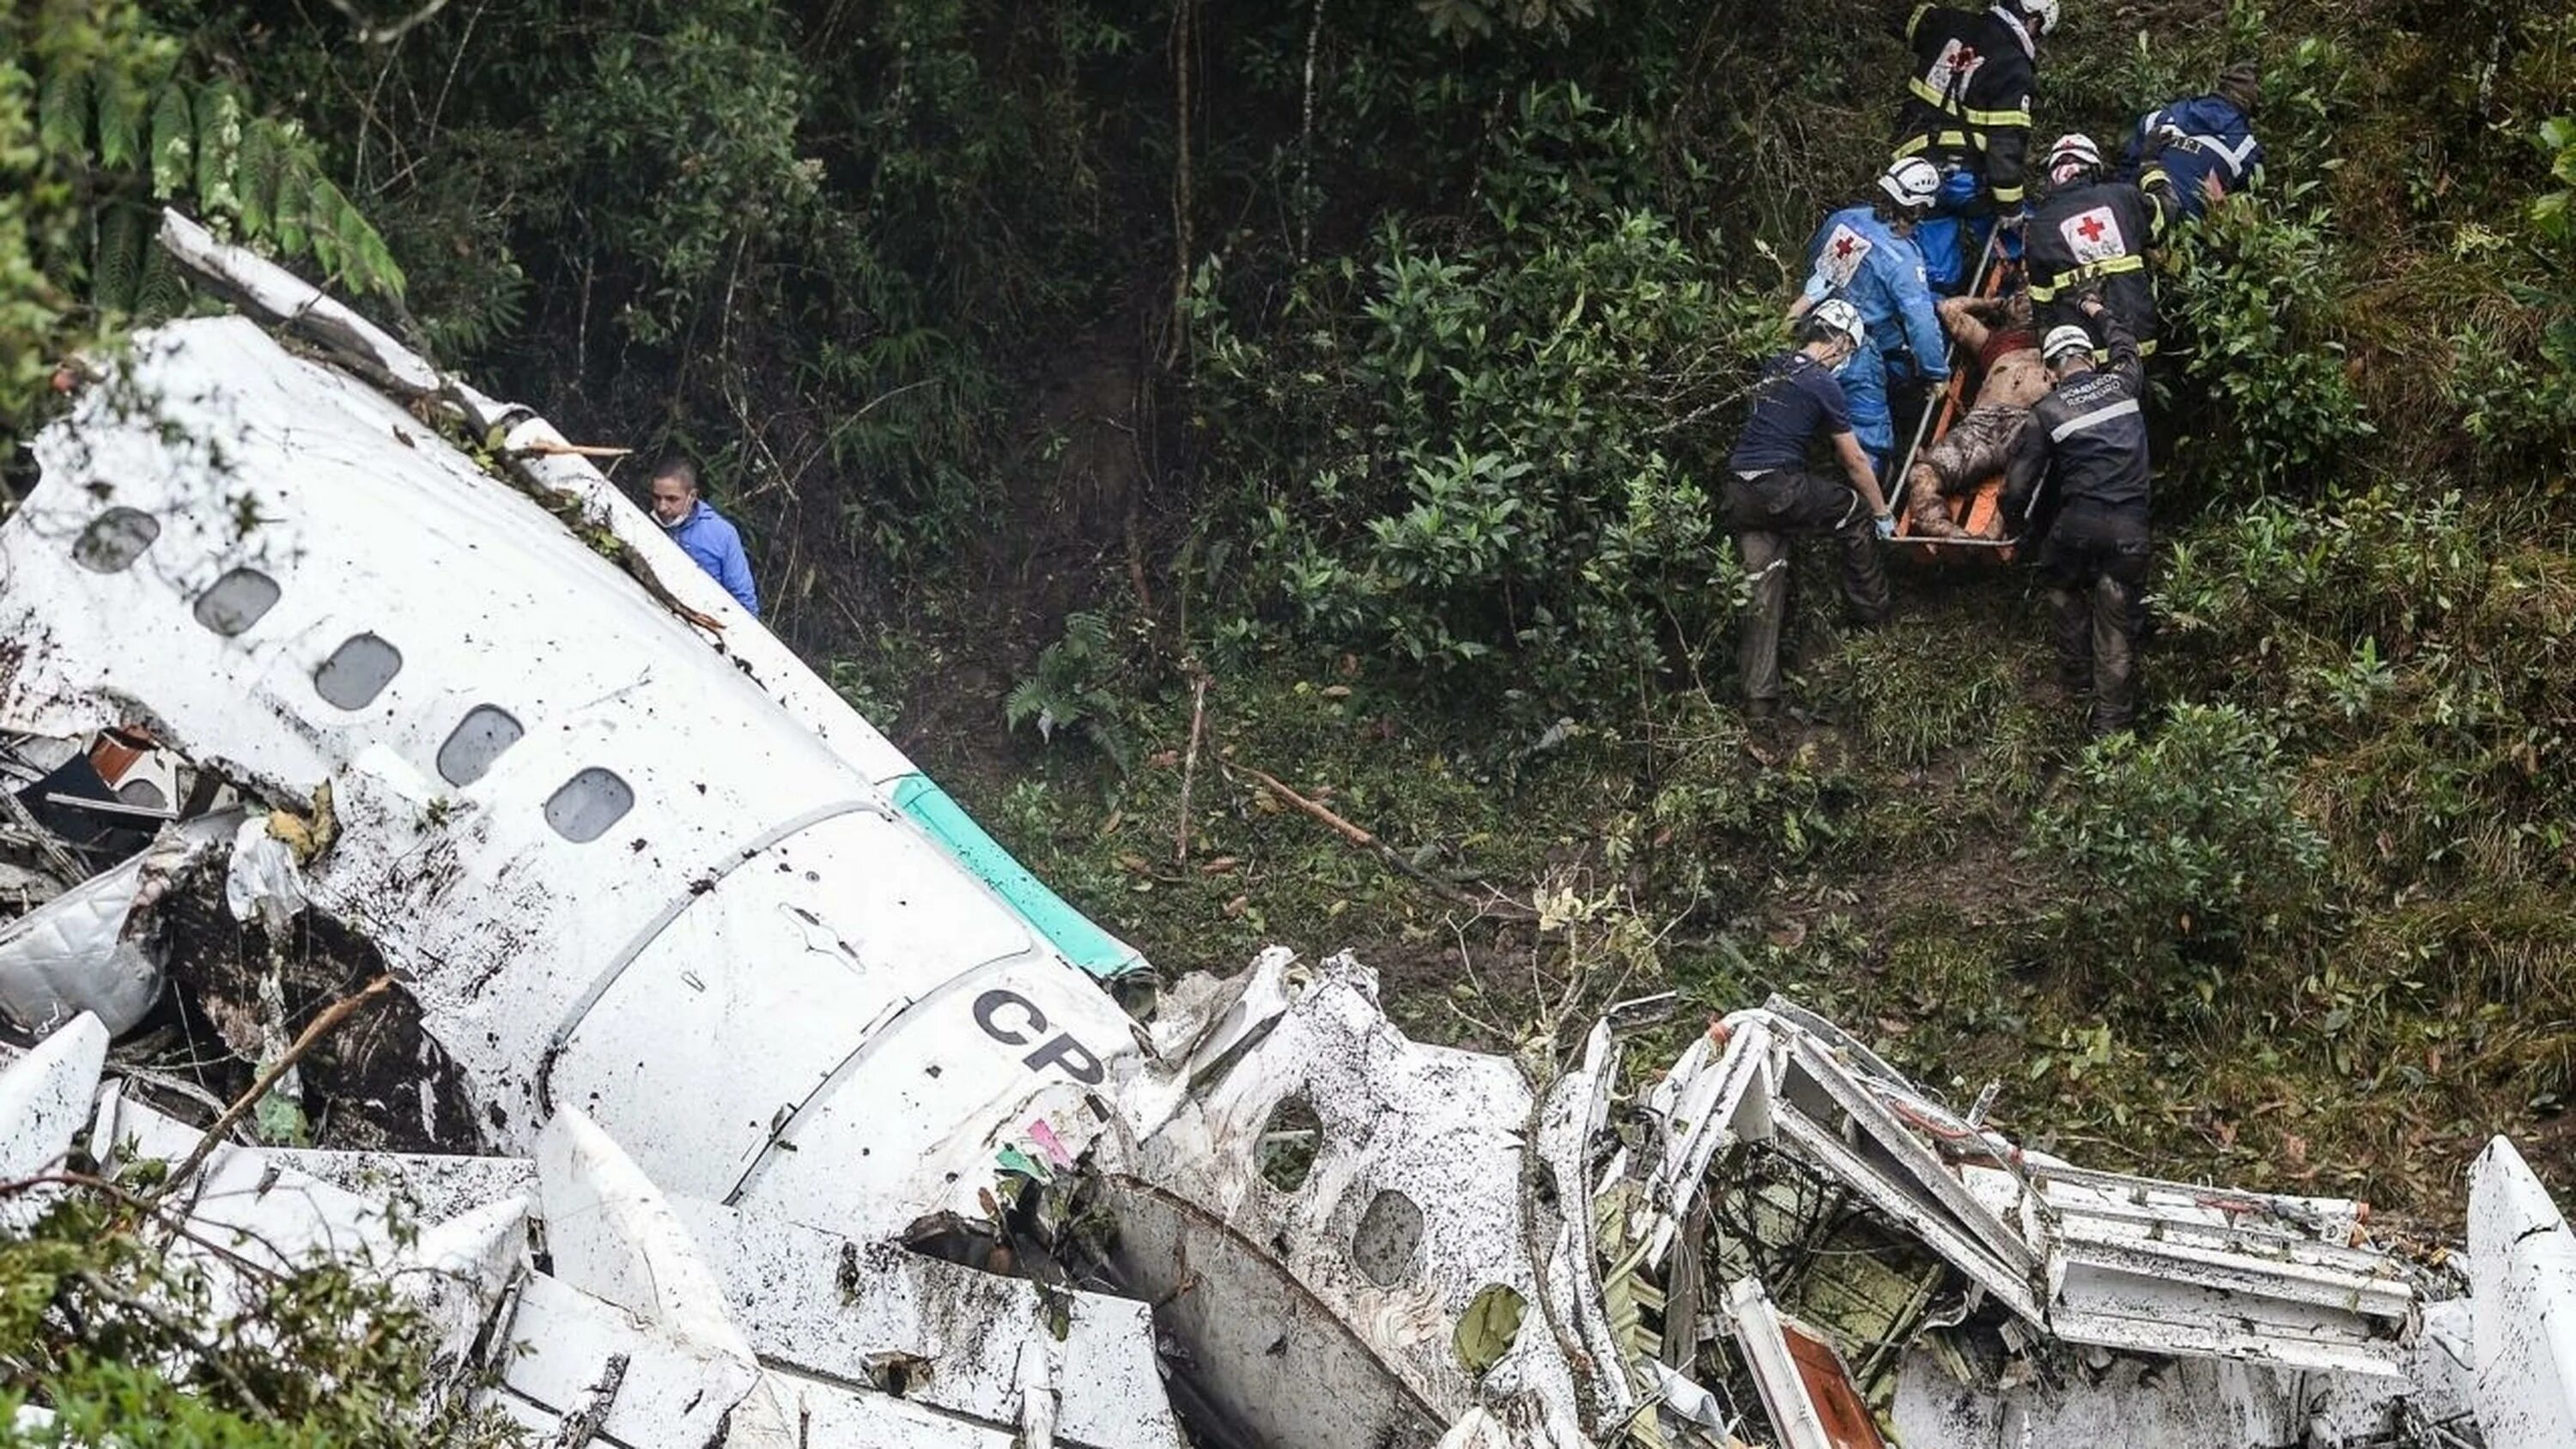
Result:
pixel 751 1096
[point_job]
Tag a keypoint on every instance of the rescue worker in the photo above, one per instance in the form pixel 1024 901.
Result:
pixel 2078 480
pixel 1864 255
pixel 706 536
pixel 2010 377
pixel 1770 492
pixel 2093 233
pixel 1967 110
pixel 2206 144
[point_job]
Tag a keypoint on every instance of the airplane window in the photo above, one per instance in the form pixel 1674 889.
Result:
pixel 1388 1243
pixel 588 804
pixel 238 600
pixel 357 671
pixel 475 743
pixel 114 540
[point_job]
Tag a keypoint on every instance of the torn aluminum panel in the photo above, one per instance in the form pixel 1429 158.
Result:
pixel 1358 1269
pixel 83 950
pixel 2523 1266
pixel 44 1099
pixel 2100 1258
pixel 1998 1296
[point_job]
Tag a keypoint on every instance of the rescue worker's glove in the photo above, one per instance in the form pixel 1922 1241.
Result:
pixel 1885 523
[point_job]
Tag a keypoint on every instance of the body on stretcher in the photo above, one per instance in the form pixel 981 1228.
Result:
pixel 1977 511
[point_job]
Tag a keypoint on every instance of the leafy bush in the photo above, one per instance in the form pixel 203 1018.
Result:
pixel 2180 846
pixel 1477 456
pixel 2514 370
pixel 120 1339
pixel 2255 302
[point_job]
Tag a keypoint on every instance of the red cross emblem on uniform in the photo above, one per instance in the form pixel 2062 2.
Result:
pixel 1842 246
pixel 1967 57
pixel 2091 226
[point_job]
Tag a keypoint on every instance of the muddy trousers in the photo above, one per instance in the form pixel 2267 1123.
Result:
pixel 1766 511
pixel 2095 566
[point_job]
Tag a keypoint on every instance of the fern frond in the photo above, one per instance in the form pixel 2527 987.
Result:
pixel 255 179
pixel 219 147
pixel 120 120
pixel 62 111
pixel 163 291
pixel 327 215
pixel 294 201
pixel 116 275
pixel 174 142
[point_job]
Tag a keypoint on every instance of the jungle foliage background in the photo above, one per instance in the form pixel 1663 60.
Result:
pixel 1128 399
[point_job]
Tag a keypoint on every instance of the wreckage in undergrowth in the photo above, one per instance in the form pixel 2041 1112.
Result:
pixel 745 1093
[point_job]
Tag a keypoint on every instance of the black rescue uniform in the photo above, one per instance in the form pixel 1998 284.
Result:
pixel 1968 102
pixel 1772 494
pixel 2078 479
pixel 2096 234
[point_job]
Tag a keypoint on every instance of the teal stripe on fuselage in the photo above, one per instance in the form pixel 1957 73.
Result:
pixel 1070 931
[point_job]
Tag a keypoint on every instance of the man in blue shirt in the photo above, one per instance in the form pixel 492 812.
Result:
pixel 1865 255
pixel 2205 144
pixel 701 532
pixel 1771 494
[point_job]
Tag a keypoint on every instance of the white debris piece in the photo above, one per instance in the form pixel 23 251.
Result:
pixel 2523 1266
pixel 1411 1205
pixel 263 884
pixel 44 1099
pixel 79 952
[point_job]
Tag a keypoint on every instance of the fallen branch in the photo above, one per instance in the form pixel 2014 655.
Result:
pixel 1496 903
pixel 318 1028
pixel 545 449
pixel 1190 764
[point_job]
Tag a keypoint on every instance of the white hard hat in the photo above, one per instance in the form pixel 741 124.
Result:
pixel 1912 183
pixel 1836 315
pixel 2063 339
pixel 2042 15
pixel 2074 146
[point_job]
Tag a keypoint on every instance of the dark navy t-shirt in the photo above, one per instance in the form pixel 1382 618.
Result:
pixel 1798 397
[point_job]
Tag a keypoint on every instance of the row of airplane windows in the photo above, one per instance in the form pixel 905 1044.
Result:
pixel 580 810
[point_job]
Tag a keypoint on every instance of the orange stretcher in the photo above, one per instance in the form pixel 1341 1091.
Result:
pixel 1980 508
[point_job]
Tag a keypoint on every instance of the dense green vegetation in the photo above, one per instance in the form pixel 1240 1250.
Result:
pixel 1122 398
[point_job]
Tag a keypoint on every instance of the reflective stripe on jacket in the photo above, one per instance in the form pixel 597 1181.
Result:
pixel 2086 443
pixel 1969 97
pixel 2217 140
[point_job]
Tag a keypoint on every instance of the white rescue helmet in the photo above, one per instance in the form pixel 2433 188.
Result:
pixel 1842 319
pixel 2063 339
pixel 2073 153
pixel 1912 183
pixel 2042 15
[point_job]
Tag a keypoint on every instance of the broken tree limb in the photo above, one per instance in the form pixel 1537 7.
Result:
pixel 1496 904
pixel 314 1030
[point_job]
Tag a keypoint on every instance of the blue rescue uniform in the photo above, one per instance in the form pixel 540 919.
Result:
pixel 2216 139
pixel 1856 257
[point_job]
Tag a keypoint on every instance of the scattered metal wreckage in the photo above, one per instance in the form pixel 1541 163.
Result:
pixel 752 1096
